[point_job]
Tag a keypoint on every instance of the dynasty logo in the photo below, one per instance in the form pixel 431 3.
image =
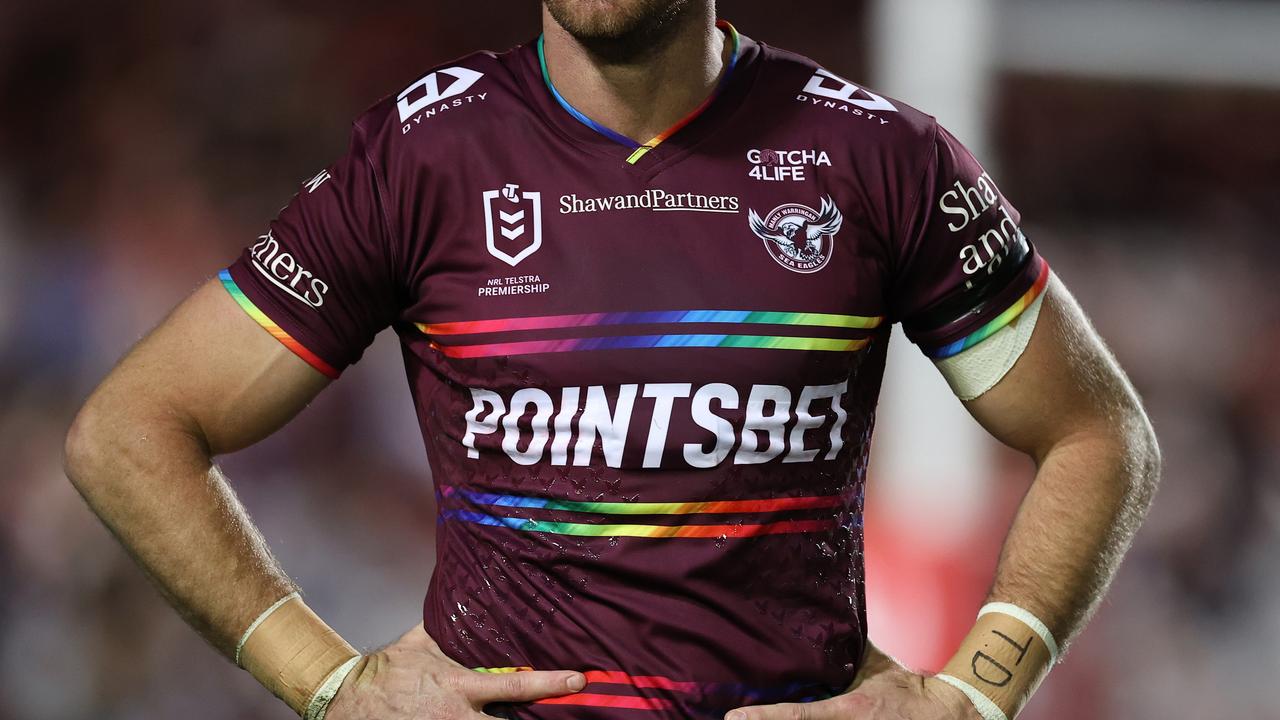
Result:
pixel 427 96
pixel 797 236
pixel 828 90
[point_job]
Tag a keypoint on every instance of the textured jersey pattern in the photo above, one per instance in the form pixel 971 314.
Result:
pixel 646 388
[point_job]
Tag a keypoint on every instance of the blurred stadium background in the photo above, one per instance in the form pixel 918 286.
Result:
pixel 143 143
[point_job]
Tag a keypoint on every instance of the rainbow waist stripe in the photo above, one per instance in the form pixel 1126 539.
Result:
pixel 645 508
pixel 688 530
pixel 656 317
pixel 655 692
pixel 732 531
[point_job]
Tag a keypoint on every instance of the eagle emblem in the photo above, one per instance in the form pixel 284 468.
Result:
pixel 798 237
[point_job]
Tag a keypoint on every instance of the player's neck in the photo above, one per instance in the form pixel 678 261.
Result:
pixel 643 91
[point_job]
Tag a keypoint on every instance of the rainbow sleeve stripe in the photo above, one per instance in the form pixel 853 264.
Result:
pixel 270 326
pixel 638 149
pixel 1000 321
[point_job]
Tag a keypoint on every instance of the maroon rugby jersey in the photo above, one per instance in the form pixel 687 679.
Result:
pixel 646 380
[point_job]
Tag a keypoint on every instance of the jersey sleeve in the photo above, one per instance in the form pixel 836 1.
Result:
pixel 965 269
pixel 321 279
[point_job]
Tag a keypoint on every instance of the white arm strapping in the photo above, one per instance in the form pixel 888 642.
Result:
pixel 976 370
pixel 1027 618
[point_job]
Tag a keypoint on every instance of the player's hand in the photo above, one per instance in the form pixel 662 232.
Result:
pixel 413 679
pixel 882 690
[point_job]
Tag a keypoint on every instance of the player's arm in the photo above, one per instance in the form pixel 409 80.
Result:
pixel 206 381
pixel 1068 405
pixel 209 380
pixel 975 295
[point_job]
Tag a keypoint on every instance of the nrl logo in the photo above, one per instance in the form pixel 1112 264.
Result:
pixel 517 219
pixel 797 236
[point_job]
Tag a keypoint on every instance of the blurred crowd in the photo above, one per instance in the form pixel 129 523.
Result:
pixel 143 143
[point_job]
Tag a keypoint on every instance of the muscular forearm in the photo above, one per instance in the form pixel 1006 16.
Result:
pixel 148 475
pixel 207 381
pixel 1091 491
pixel 1068 405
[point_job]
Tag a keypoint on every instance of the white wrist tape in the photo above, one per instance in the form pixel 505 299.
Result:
pixel 978 369
pixel 987 709
pixel 254 626
pixel 319 704
pixel 1028 619
pixel 296 656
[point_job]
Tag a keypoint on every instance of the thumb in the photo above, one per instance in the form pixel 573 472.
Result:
pixel 521 686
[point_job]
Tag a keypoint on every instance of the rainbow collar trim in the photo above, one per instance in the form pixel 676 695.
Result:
pixel 639 150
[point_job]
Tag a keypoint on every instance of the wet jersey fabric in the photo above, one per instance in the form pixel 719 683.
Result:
pixel 646 388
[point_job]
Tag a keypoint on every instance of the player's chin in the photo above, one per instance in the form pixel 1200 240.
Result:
pixel 594 20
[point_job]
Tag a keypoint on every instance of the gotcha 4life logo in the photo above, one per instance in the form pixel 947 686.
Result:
pixel 798 237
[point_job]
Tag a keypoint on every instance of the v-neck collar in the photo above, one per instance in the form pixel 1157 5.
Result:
pixel 598 139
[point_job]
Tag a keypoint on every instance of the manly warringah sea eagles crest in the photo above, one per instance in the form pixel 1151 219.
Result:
pixel 797 236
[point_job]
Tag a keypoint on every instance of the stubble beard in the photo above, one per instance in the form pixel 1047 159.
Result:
pixel 619 30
